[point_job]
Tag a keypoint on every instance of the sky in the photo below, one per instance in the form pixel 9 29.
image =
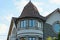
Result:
pixel 13 8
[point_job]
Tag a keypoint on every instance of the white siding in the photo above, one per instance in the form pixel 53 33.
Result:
pixel 53 18
pixel 30 32
pixel 18 25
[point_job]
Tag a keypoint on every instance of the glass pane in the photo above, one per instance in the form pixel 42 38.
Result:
pixel 57 27
pixel 39 24
pixel 34 23
pixel 32 38
pixel 30 23
pixel 22 24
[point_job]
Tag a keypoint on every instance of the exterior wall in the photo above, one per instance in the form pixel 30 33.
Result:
pixel 48 31
pixel 30 32
pixel 38 33
pixel 48 26
pixel 26 32
pixel 26 37
pixel 13 33
pixel 53 18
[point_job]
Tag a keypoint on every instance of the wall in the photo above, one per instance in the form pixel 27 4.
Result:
pixel 53 18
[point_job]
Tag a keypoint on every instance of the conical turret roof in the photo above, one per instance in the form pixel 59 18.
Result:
pixel 30 11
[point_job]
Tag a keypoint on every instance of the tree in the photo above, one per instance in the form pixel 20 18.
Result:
pixel 49 38
pixel 58 38
pixel 54 38
pixel 59 35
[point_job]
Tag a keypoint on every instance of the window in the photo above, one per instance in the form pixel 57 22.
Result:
pixel 56 27
pixel 32 23
pixel 23 24
pixel 39 24
pixel 31 38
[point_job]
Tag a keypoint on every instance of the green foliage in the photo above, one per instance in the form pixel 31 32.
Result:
pixel 54 38
pixel 59 36
pixel 49 38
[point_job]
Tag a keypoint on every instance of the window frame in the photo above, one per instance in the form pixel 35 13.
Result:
pixel 23 23
pixel 40 24
pixel 31 25
pixel 57 22
pixel 31 38
pixel 34 24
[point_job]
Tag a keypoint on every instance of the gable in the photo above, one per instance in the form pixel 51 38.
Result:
pixel 53 18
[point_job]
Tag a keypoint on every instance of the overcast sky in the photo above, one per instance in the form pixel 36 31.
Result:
pixel 13 8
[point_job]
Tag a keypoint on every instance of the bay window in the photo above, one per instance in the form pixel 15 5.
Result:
pixel 30 23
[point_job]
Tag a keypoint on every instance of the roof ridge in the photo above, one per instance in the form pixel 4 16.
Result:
pixel 56 10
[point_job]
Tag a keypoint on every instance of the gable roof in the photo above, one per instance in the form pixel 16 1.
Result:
pixel 57 10
pixel 11 26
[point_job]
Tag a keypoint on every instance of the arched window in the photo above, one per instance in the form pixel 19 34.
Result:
pixel 56 27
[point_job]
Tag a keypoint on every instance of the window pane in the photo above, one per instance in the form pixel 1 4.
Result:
pixel 32 38
pixel 34 23
pixel 30 23
pixel 25 23
pixel 39 24
pixel 22 24
pixel 57 27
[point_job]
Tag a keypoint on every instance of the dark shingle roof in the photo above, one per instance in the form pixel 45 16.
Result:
pixel 30 11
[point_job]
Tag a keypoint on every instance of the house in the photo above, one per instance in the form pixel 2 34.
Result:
pixel 30 25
